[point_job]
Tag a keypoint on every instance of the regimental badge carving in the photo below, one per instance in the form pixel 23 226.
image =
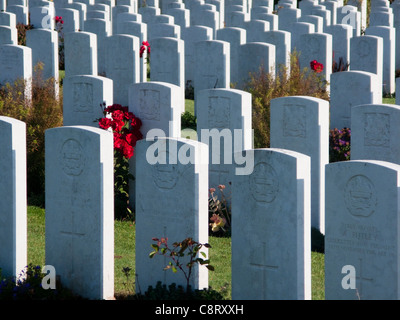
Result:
pixel 364 48
pixel 72 158
pixel 219 113
pixel 264 183
pixel 360 196
pixel 83 97
pixel 377 130
pixel 165 176
pixel 149 104
pixel 294 121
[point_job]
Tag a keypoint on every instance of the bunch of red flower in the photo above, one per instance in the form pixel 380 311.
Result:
pixel 59 19
pixel 125 126
pixel 145 45
pixel 316 66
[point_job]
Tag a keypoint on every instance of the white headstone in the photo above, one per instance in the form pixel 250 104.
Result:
pixel 282 42
pixel 349 15
pixel 16 64
pixel 13 203
pixel 80 209
pixel 211 66
pixel 236 37
pixel 71 19
pixel 287 16
pixel 374 132
pixel 122 64
pixel 255 30
pixel 102 29
pixel 316 46
pixel 168 62
pixel 21 13
pixel 42 17
pixel 116 11
pixel 191 35
pixel 297 29
pixel 8 19
pixel 366 54
pixel 137 29
pixel 388 35
pixel 181 16
pixel 8 35
pixel 317 21
pixel 255 56
pixel 44 45
pixel 207 18
pixel 301 124
pixel 361 239
pixel 160 30
pixel 348 89
pixel 224 124
pixel 164 178
pixel 271 245
pixel 83 96
pixel 158 105
pixel 80 53
pixel 341 37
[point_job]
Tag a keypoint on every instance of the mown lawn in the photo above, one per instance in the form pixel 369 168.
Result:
pixel 124 257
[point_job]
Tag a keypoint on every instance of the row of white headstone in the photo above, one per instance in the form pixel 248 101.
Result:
pixel 301 28
pixel 272 205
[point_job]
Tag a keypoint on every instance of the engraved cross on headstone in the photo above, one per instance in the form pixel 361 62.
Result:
pixel 263 265
pixel 360 278
pixel 71 228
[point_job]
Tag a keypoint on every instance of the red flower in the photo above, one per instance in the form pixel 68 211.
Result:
pixel 126 128
pixel 145 45
pixel 117 115
pixel 316 66
pixel 105 123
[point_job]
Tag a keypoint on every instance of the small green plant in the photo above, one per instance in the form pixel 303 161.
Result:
pixel 219 213
pixel 339 144
pixel 265 86
pixel 189 248
pixel 128 282
pixel 43 112
pixel 188 121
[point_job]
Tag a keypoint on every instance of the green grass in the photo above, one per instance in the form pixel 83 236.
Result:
pixel 189 106
pixel 124 256
pixel 389 100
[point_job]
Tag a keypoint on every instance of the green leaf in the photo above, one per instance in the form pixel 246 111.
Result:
pixel 174 270
pixel 152 254
pixel 211 268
